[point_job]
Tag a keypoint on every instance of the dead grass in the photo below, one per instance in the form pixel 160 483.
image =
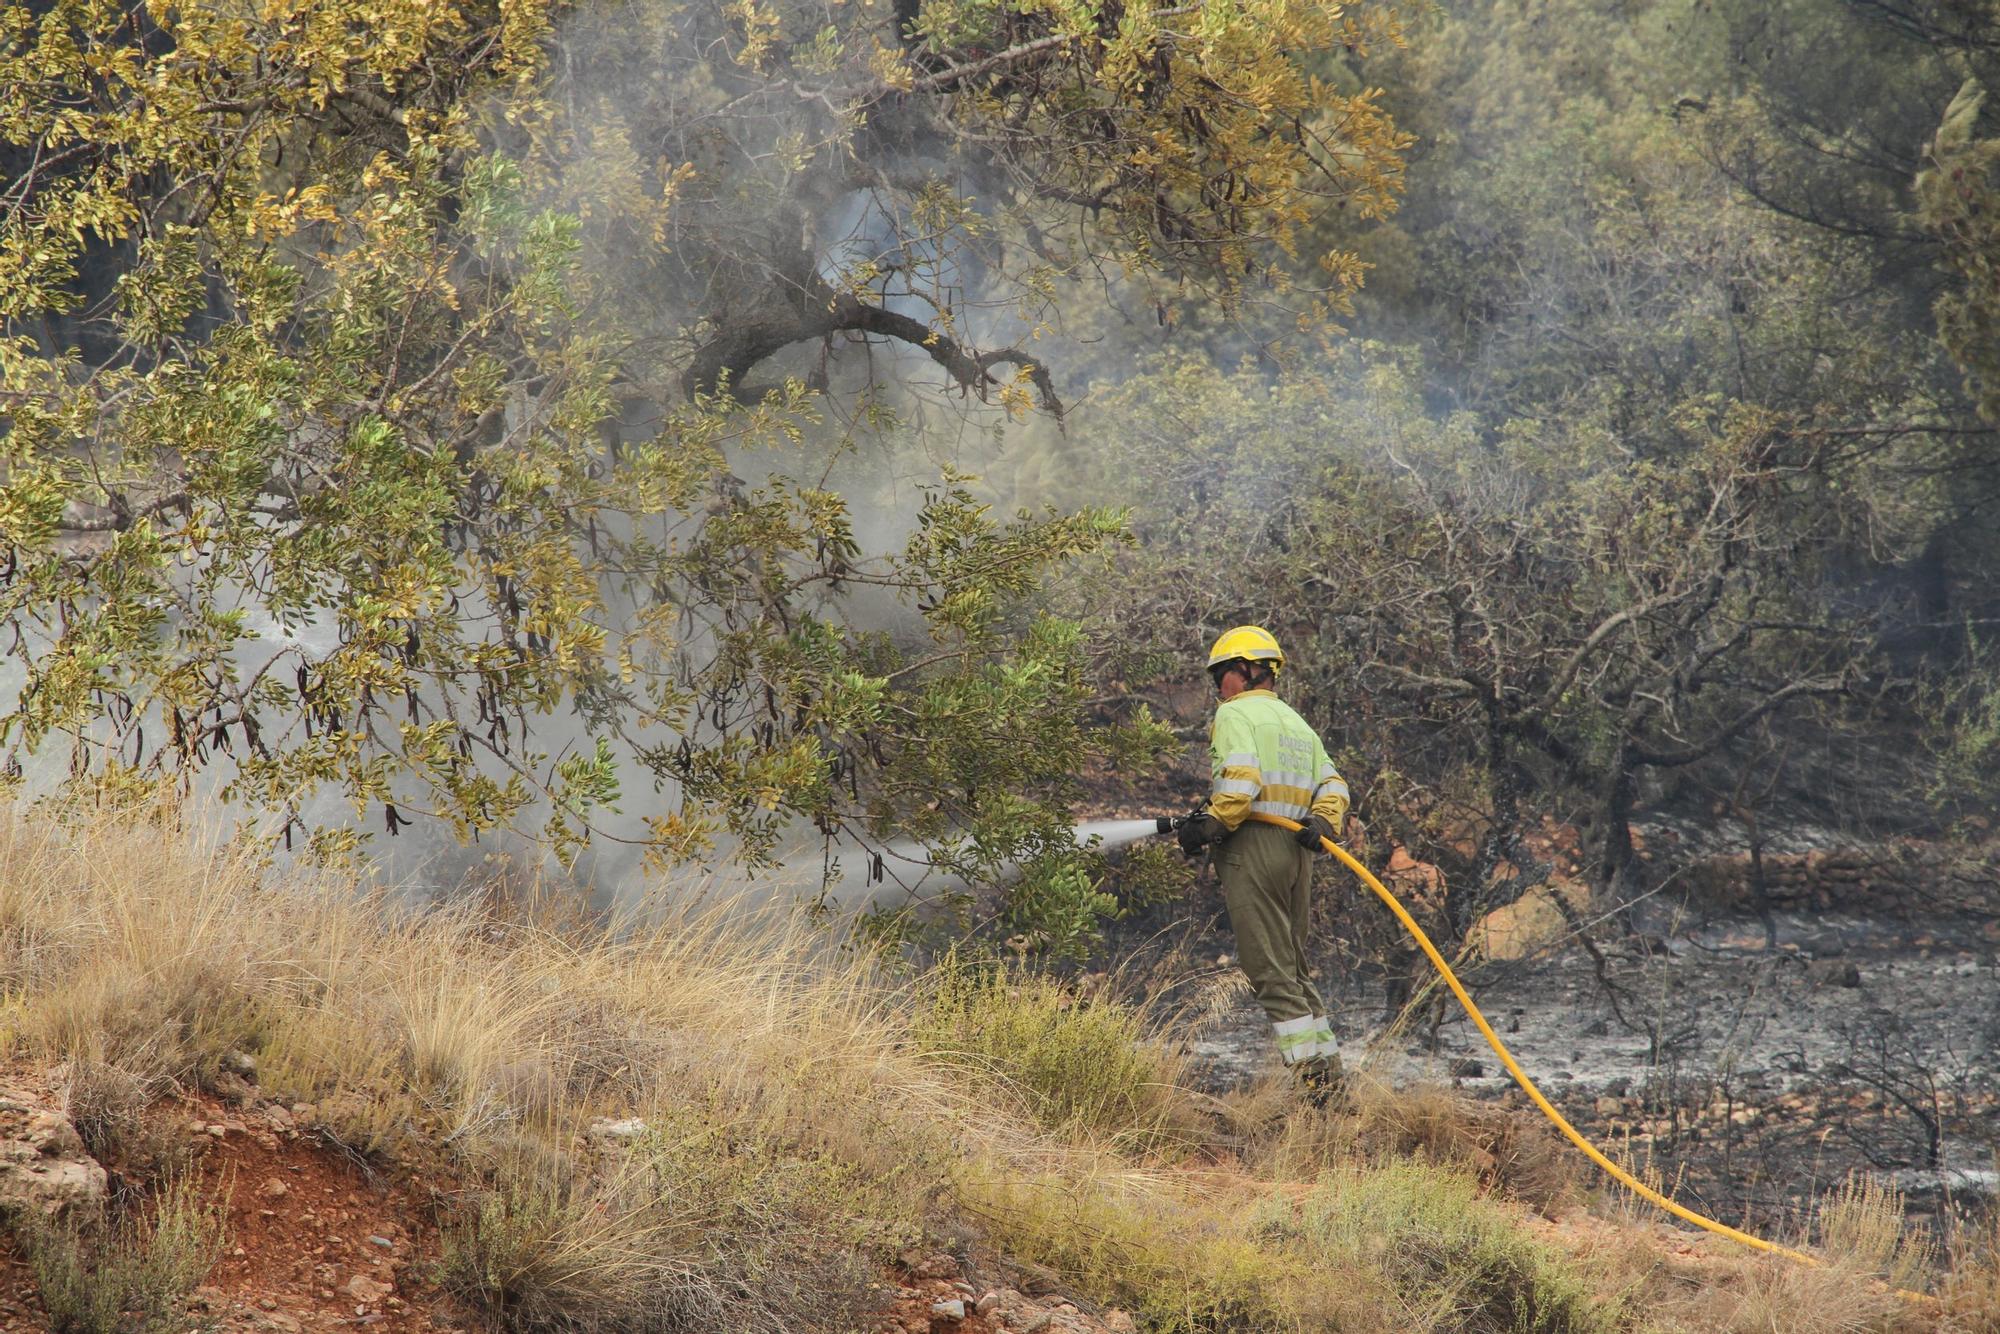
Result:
pixel 1971 1291
pixel 806 1117
pixel 1080 1066
pixel 1863 1227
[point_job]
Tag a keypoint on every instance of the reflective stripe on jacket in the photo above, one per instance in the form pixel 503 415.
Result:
pixel 1265 758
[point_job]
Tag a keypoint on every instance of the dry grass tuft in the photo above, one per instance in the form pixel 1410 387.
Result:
pixel 1972 1288
pixel 1510 1153
pixel 1078 1066
pixel 1748 1293
pixel 1863 1226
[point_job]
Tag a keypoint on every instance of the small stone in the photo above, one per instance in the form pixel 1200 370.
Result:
pixel 240 1063
pixel 274 1189
pixel 1609 1106
pixel 383 1242
pixel 269 1303
pixel 987 1304
pixel 364 1289
pixel 609 1131
pixel 1118 1322
pixel 952 1310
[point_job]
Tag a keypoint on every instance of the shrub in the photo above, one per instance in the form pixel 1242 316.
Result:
pixel 1863 1225
pixel 1456 1260
pixel 132 1277
pixel 1081 1066
pixel 690 1227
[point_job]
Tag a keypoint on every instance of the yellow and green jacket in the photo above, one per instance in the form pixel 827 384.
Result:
pixel 1268 760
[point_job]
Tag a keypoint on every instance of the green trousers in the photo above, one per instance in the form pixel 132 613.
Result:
pixel 1267 887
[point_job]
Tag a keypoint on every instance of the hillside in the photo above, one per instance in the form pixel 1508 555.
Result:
pixel 296 1106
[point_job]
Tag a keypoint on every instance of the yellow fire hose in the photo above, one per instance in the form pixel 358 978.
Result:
pixel 1556 1118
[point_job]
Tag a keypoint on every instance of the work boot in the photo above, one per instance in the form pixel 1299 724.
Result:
pixel 1324 1083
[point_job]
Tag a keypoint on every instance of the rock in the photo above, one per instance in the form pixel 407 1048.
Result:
pixel 1467 1068
pixel 936 1265
pixel 43 1166
pixel 1609 1106
pixel 1835 972
pixel 234 1089
pixel 987 1304
pixel 951 1311
pixel 606 1130
pixel 1118 1322
pixel 240 1063
pixel 274 1189
pixel 365 1289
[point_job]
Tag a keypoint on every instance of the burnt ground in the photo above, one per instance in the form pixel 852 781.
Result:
pixel 1749 1076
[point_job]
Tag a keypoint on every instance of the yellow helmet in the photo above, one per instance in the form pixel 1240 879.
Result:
pixel 1247 641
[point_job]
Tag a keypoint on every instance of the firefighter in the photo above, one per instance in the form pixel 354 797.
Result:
pixel 1267 760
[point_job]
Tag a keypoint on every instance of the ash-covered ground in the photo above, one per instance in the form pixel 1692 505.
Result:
pixel 1749 1076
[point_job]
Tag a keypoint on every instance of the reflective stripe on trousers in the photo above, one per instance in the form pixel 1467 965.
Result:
pixel 1305 1039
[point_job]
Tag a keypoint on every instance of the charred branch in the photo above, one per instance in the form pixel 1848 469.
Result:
pixel 721 365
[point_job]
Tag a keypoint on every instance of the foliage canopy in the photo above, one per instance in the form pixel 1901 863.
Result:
pixel 379 389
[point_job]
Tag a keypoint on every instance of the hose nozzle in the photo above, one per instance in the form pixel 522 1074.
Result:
pixel 1167 824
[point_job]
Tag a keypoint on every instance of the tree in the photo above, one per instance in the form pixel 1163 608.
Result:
pixel 381 381
pixel 1957 192
pixel 1488 631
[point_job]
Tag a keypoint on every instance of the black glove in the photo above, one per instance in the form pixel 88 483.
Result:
pixel 1200 830
pixel 1315 828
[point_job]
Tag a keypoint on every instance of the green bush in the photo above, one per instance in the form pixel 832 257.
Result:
pixel 1081 1066
pixel 1457 1261
pixel 132 1277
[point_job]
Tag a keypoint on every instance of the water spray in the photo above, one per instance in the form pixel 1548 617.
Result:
pixel 1107 835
